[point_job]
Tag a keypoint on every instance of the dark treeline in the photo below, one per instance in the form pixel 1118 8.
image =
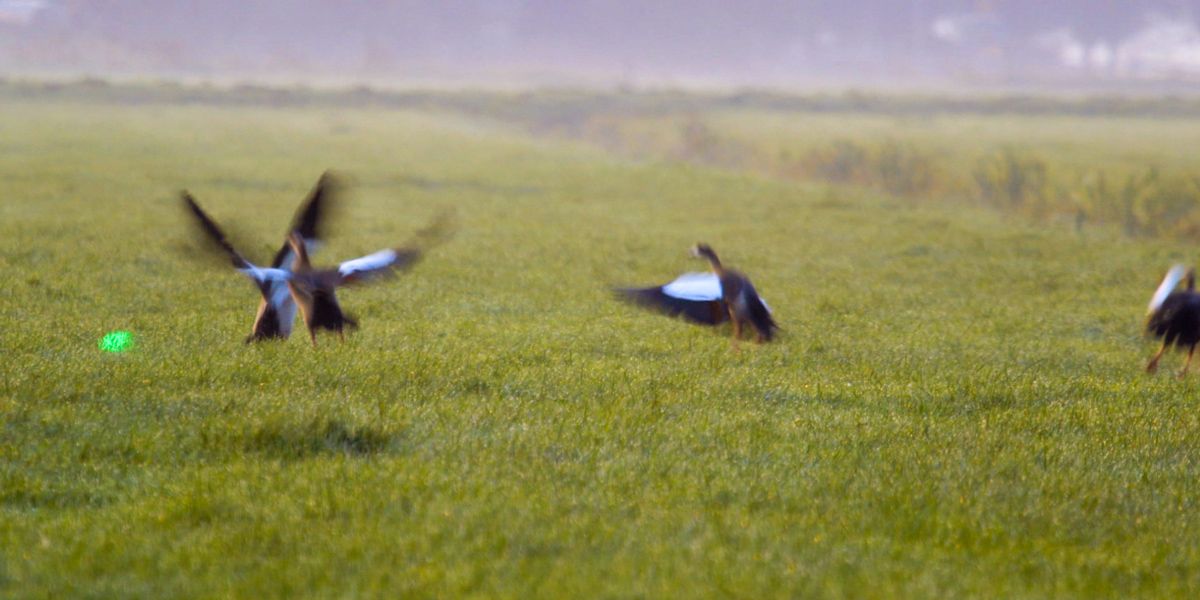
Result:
pixel 564 106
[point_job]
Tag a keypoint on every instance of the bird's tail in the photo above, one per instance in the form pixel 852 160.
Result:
pixel 761 317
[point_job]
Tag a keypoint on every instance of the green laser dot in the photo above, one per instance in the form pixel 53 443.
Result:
pixel 116 341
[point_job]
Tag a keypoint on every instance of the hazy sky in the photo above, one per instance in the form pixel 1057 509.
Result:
pixel 608 41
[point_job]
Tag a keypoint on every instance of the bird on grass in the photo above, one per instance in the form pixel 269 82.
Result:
pixel 314 290
pixel 709 298
pixel 1174 316
pixel 276 309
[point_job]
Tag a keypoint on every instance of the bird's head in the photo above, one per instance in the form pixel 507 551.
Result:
pixel 706 252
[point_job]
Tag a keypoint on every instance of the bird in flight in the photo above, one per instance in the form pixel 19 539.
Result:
pixel 276 309
pixel 1174 316
pixel 709 298
pixel 314 290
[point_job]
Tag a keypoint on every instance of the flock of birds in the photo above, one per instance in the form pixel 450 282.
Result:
pixel 291 282
pixel 723 294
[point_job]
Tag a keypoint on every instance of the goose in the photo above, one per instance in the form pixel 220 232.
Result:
pixel 709 298
pixel 1174 316
pixel 315 290
pixel 276 310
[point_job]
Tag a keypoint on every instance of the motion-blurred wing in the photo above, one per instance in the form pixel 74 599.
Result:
pixel 388 261
pixel 266 275
pixel 693 296
pixel 266 278
pixel 1174 276
pixel 308 219
pixel 213 231
pixel 376 265
pixel 694 286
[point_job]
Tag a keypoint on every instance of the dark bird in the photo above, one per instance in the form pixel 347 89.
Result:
pixel 314 290
pixel 1174 316
pixel 276 309
pixel 709 298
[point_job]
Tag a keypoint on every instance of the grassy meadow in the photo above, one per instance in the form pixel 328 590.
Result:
pixel 955 406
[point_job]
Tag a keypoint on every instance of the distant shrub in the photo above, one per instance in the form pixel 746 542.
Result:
pixel 898 167
pixel 1162 205
pixel 1145 203
pixel 1014 181
pixel 1099 199
pixel 902 168
pixel 842 161
pixel 701 143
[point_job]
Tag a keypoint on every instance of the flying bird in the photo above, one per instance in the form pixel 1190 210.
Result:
pixel 1174 316
pixel 315 290
pixel 276 309
pixel 709 298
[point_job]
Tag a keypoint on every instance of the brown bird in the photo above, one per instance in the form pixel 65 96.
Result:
pixel 276 309
pixel 1174 316
pixel 314 290
pixel 709 298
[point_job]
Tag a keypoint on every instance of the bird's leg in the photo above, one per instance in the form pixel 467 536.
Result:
pixel 1187 363
pixel 1152 366
pixel 341 336
pixel 312 335
pixel 737 326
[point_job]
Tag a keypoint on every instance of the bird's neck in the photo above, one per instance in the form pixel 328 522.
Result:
pixel 715 263
pixel 301 261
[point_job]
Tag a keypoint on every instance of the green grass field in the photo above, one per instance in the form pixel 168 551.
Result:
pixel 955 406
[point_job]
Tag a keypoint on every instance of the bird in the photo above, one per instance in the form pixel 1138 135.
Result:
pixel 1174 316
pixel 315 290
pixel 709 298
pixel 276 310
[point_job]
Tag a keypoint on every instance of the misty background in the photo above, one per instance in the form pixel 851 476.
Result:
pixel 1063 43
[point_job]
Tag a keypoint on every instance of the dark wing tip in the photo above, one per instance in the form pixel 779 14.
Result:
pixel 405 258
pixel 212 231
pixel 703 312
pixel 317 206
pixel 438 231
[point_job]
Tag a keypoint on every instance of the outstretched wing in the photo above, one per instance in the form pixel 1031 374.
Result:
pixel 694 286
pixel 264 277
pixel 1174 276
pixel 694 296
pixel 309 217
pixel 375 265
pixel 386 262
pixel 213 231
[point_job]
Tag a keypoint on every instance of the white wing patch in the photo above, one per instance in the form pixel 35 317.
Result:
pixel 1174 276
pixel 280 295
pixel 694 286
pixel 286 311
pixel 260 274
pixel 370 262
